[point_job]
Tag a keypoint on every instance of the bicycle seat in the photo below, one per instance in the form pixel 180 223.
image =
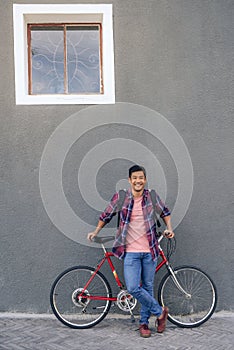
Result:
pixel 103 239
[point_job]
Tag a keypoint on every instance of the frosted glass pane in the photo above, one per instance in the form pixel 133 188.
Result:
pixel 83 59
pixel 47 52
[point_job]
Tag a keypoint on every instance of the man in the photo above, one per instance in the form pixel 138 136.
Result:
pixel 137 244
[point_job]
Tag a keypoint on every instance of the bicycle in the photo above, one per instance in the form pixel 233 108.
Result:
pixel 81 296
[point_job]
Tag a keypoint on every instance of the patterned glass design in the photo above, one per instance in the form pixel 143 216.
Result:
pixel 65 59
pixel 83 61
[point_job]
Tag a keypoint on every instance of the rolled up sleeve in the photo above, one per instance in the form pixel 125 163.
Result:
pixel 161 209
pixel 110 210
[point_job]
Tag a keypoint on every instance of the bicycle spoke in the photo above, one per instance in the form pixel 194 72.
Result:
pixel 194 307
pixel 73 304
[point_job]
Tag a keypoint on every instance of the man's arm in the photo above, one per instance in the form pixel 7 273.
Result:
pixel 93 234
pixel 169 231
pixel 105 217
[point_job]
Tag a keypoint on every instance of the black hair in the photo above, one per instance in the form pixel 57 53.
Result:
pixel 135 168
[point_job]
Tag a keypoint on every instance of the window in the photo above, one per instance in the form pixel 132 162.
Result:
pixel 64 59
pixel 66 52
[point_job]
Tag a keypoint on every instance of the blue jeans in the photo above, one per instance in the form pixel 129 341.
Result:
pixel 139 271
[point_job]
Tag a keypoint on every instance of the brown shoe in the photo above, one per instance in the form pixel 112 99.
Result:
pixel 161 322
pixel 144 331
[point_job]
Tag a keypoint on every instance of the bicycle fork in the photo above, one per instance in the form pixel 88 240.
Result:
pixel 172 273
pixel 175 280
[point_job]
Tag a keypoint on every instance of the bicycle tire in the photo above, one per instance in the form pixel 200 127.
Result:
pixel 188 311
pixel 83 313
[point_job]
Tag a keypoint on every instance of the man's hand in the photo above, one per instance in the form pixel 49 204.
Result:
pixel 91 236
pixel 168 234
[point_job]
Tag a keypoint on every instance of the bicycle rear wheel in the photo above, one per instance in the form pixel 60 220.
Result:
pixel 80 312
pixel 194 303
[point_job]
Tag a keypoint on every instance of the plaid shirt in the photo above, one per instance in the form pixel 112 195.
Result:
pixel 125 217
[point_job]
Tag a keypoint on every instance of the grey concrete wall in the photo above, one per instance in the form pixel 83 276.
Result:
pixel 171 56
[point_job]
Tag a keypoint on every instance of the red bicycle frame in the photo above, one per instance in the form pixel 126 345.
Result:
pixel 107 256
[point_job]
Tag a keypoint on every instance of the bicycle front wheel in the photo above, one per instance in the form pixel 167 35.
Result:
pixel 190 295
pixel 83 311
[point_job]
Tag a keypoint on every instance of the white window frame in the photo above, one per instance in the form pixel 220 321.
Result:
pixel 45 13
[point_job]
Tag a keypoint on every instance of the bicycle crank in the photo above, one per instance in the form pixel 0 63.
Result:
pixel 125 301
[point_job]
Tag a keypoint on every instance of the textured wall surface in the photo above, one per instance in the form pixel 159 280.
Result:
pixel 172 57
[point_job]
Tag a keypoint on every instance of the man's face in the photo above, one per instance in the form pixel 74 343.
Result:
pixel 137 181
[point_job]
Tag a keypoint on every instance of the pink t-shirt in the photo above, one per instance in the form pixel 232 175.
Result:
pixel 136 240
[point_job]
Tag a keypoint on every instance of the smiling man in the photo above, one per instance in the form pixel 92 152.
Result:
pixel 136 243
